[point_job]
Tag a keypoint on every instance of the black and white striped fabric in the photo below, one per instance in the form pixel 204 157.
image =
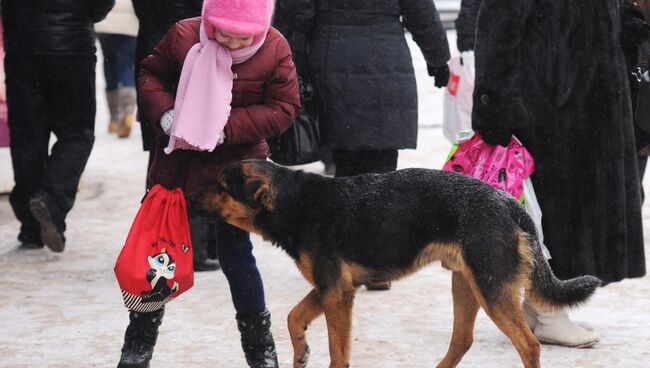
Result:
pixel 134 303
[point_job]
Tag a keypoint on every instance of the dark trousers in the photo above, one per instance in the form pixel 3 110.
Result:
pixel 49 95
pixel 235 252
pixel 119 58
pixel 350 163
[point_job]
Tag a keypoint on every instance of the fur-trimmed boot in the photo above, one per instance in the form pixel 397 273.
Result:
pixel 127 98
pixel 140 339
pixel 114 110
pixel 257 340
pixel 556 328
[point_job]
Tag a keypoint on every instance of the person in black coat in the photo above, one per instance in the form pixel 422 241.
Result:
pixel 155 18
pixel 552 72
pixel 362 69
pixel 50 78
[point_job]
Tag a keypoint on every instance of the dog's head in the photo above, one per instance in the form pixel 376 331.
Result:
pixel 243 190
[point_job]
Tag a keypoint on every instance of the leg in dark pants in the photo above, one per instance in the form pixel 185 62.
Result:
pixel 49 94
pixel 119 56
pixel 30 135
pixel 199 229
pixel 235 252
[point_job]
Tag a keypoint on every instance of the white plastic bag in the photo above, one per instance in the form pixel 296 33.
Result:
pixel 532 207
pixel 457 105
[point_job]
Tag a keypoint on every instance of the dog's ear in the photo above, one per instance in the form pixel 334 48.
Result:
pixel 259 194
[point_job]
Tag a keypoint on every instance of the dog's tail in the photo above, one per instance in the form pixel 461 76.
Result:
pixel 545 289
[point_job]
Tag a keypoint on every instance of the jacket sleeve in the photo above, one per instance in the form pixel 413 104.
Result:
pixel 498 99
pixel 281 102
pixel 100 8
pixel 157 78
pixel 423 21
pixel 466 24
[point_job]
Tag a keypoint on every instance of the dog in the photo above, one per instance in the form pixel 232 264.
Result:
pixel 346 232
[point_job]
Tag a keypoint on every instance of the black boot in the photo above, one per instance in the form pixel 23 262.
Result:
pixel 140 339
pixel 257 340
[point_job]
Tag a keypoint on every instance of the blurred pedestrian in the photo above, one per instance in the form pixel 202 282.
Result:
pixel 155 17
pixel 552 72
pixel 363 72
pixel 214 89
pixel 50 77
pixel 116 35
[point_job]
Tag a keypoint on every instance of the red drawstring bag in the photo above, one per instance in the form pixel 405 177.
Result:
pixel 155 264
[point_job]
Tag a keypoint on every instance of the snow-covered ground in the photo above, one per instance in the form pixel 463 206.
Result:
pixel 65 310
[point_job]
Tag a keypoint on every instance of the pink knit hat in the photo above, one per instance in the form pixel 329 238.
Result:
pixel 239 17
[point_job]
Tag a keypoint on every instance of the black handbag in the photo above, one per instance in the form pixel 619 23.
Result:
pixel 300 144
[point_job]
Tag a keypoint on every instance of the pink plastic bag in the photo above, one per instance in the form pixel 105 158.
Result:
pixel 504 168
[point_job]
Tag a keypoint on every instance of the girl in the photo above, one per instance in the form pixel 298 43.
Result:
pixel 217 86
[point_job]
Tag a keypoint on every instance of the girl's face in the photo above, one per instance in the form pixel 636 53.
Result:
pixel 232 41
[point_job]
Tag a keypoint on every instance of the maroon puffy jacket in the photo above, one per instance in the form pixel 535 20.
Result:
pixel 265 100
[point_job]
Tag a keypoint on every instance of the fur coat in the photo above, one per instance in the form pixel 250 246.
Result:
pixel 553 73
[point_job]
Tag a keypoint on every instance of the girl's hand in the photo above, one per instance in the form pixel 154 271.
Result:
pixel 166 121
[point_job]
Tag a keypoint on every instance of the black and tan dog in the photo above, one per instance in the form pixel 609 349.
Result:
pixel 345 232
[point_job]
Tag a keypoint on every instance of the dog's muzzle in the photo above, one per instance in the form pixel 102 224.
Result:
pixel 196 206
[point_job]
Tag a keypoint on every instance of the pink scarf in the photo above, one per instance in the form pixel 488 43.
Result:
pixel 204 94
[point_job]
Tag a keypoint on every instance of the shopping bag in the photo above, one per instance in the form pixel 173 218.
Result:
pixel 457 103
pixel 535 212
pixel 155 264
pixel 300 144
pixel 504 168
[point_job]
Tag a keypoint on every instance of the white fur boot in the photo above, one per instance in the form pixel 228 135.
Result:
pixel 556 328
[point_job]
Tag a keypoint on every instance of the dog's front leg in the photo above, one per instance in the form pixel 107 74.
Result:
pixel 337 305
pixel 301 316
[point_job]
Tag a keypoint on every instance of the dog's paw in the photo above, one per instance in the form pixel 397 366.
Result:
pixel 303 360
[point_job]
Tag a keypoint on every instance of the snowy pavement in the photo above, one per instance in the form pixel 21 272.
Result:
pixel 65 310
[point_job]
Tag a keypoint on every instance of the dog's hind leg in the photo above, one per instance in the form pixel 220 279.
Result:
pixel 337 304
pixel 299 318
pixel 506 312
pixel 465 310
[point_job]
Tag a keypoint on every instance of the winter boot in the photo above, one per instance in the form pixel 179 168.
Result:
pixel 257 340
pixel 556 328
pixel 127 98
pixel 140 339
pixel 112 97
pixel 530 314
pixel 51 235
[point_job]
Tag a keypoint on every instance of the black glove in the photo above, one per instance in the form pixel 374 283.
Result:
pixel 496 136
pixel 440 75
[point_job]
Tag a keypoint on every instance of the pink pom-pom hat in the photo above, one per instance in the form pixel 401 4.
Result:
pixel 237 17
